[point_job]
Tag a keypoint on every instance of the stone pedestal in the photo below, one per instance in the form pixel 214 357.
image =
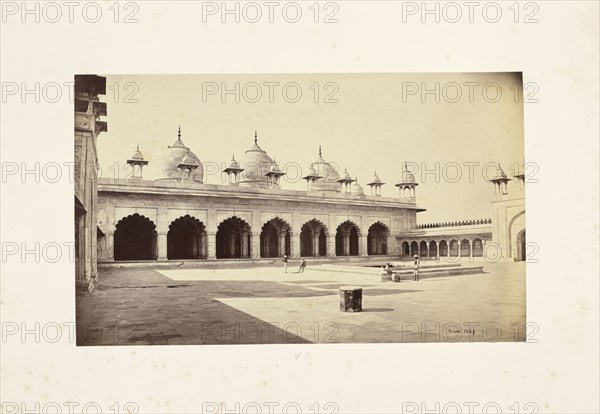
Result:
pixel 350 299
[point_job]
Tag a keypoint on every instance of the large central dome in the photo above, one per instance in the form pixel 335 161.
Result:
pixel 256 164
pixel 329 182
pixel 168 164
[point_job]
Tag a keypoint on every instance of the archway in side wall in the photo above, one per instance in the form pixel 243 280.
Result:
pixel 516 227
pixel 135 239
pixel 521 246
pixel 377 239
pixel 405 249
pixel 453 248
pixel 186 239
pixel 423 249
pixel 433 248
pixel 477 248
pixel 465 248
pixel 443 248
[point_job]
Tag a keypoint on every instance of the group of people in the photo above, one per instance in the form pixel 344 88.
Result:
pixel 396 277
pixel 388 268
pixel 300 268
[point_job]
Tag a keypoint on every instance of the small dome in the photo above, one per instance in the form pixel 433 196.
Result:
pixel 357 189
pixel 256 164
pixel 275 168
pixel 376 179
pixel 312 171
pixel 233 163
pixel 346 176
pixel 137 155
pixel 175 154
pixel 330 179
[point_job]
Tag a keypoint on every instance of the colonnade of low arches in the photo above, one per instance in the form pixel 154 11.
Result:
pixel 136 238
pixel 472 247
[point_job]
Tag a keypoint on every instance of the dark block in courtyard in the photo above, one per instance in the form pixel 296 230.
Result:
pixel 350 299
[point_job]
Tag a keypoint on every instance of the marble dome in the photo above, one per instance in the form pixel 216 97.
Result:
pixel 357 189
pixel 256 163
pixel 168 169
pixel 329 182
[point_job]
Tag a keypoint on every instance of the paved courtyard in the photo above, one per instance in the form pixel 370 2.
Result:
pixel 244 304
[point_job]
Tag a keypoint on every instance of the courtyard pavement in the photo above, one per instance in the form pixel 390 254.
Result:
pixel 262 305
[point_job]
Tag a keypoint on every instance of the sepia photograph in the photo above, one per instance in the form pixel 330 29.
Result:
pixel 313 208
pixel 321 207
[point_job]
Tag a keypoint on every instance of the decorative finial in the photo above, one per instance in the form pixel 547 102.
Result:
pixel 179 132
pixel 232 157
pixel 320 150
pixel 255 137
pixel 405 167
pixel 138 147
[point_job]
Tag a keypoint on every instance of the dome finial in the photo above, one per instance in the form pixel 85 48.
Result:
pixel 320 152
pixel 179 132
pixel 255 136
pixel 138 147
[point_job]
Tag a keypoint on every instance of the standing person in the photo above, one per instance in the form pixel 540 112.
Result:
pixel 302 265
pixel 285 262
pixel 417 265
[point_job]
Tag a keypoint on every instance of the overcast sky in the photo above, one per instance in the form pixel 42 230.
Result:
pixel 364 122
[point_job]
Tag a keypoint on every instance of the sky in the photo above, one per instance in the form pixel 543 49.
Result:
pixel 451 129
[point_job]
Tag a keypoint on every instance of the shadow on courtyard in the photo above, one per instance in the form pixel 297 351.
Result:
pixel 143 307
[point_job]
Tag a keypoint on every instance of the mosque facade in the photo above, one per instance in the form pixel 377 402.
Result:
pixel 179 217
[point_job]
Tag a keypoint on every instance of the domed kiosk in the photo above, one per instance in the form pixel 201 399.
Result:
pixel 179 163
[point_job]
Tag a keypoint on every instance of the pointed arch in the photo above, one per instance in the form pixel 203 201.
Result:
pixel 275 238
pixel 477 248
pixel 433 248
pixel 377 239
pixel 443 248
pixel 313 238
pixel 453 248
pixel 423 248
pixel 346 239
pixel 186 239
pixel 233 239
pixel 465 248
pixel 405 249
pixel 135 238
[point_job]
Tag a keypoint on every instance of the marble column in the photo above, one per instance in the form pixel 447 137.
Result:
pixel 203 245
pixel 362 245
pixel 211 246
pixel 346 250
pixel 282 243
pixel 162 247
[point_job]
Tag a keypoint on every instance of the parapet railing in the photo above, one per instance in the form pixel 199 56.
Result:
pixel 454 224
